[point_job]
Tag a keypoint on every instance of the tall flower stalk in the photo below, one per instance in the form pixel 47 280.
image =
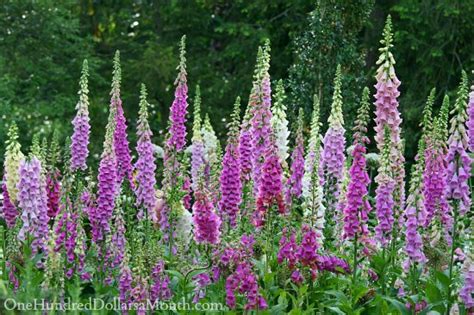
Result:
pixel 467 291
pixel 270 192
pixel 358 206
pixel 384 194
pixel 470 122
pixel 459 170
pixel 13 158
pixel 122 150
pixel 197 152
pixel 107 181
pixel 435 171
pixel 333 152
pixel 32 201
pixel 280 123
pixel 387 114
pixel 174 177
pixel 333 157
pixel 206 222
pixel 261 115
pixel 459 162
pixel 178 110
pixel 415 211
pixel 212 158
pixel 245 163
pixel 80 136
pixel 312 190
pixel 414 214
pixel 53 191
pixel 145 165
pixel 245 149
pixel 9 211
pixel 294 187
pixel 230 181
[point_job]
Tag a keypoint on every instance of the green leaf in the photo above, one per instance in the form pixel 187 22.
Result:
pixel 443 279
pixel 433 293
pixel 397 304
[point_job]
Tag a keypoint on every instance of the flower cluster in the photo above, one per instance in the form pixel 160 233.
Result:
pixel 280 122
pixel 9 210
pixel 470 122
pixel 197 153
pixel 13 157
pixel 288 249
pixel 206 222
pixel 245 149
pixel 466 292
pixel 230 181
pixel 178 110
pixel 145 165
pixel 387 114
pixel 53 193
pixel 270 191
pixel 333 264
pixel 305 255
pixel 415 212
pixel 308 250
pixel 242 279
pixel 65 230
pixel 312 191
pixel 80 136
pixel 212 158
pixel 459 162
pixel 295 182
pixel 435 172
pixel 160 287
pixel 32 200
pixel 261 115
pixel 358 207
pixel 333 157
pixel 384 195
pixel 107 183
pixel 122 151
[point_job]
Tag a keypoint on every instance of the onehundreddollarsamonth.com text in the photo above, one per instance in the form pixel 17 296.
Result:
pixel 97 304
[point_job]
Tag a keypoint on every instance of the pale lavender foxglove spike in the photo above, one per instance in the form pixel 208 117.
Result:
pixel 80 136
pixel 32 201
pixel 387 114
pixel 459 162
pixel 145 166
pixel 260 113
pixel 333 156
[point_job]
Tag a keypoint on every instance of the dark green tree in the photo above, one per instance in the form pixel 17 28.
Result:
pixel 331 36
